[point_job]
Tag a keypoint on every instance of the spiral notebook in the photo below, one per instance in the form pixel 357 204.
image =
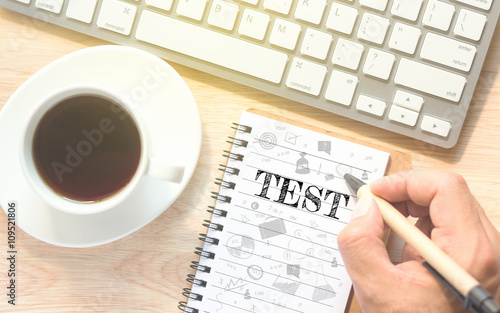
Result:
pixel 271 244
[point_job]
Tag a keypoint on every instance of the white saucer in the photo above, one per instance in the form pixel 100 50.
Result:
pixel 175 129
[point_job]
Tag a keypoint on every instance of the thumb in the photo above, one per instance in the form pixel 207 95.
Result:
pixel 361 244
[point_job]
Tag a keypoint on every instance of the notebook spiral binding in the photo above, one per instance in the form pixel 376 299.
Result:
pixel 200 251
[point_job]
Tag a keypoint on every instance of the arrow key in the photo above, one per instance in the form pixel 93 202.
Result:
pixel 370 105
pixel 403 116
pixel 408 100
pixel 436 126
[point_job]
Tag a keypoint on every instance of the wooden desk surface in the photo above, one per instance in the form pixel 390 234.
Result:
pixel 146 271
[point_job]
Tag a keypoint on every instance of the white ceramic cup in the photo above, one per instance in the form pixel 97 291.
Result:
pixel 149 165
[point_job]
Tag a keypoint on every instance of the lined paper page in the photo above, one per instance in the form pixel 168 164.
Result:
pixel 278 249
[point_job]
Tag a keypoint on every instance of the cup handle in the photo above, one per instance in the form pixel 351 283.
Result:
pixel 161 169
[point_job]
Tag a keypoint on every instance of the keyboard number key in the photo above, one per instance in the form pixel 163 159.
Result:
pixel 341 88
pixel 371 105
pixel 306 76
pixel 117 16
pixel 53 6
pixel 436 126
pixel 316 44
pixel 223 14
pixel 379 63
pixel 254 24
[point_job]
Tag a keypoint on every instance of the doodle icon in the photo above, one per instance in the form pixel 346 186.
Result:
pixel 334 262
pixel 302 165
pixel 267 141
pixel 342 169
pixel 325 146
pixel 255 272
pixel 323 290
pixel 286 285
pixel 329 176
pixel 272 228
pixel 291 138
pixel 254 205
pixel 293 270
pixel 240 246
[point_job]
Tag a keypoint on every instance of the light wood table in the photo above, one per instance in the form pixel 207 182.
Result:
pixel 146 271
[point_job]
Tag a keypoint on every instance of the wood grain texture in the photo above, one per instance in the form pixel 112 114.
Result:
pixel 145 272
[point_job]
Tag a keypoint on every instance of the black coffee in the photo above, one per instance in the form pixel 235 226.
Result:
pixel 86 148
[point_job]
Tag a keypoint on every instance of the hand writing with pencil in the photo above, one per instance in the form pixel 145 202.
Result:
pixel 448 214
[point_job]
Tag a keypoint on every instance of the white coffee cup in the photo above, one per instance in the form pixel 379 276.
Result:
pixel 148 164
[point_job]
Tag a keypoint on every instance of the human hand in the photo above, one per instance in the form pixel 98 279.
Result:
pixel 447 213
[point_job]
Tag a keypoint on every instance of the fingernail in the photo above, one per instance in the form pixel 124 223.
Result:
pixel 362 206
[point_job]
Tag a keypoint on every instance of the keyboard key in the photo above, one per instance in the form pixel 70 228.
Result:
pixel 223 14
pixel 116 16
pixel 193 9
pixel 160 4
pixel 481 4
pixel 430 79
pixel 254 2
pixel 408 100
pixel 436 126
pixel 24 1
pixel 379 63
pixel 341 88
pixel 470 25
pixel 438 15
pixel 378 5
pixel 403 116
pixel 371 105
pixel 280 6
pixel 373 28
pixel 53 6
pixel 310 11
pixel 341 18
pixel 254 24
pixel 316 44
pixel 306 76
pixel 285 34
pixel 347 53
pixel 449 52
pixel 407 9
pixel 81 10
pixel 242 56
pixel 404 38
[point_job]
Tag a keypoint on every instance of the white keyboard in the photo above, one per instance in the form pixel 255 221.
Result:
pixel 409 66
